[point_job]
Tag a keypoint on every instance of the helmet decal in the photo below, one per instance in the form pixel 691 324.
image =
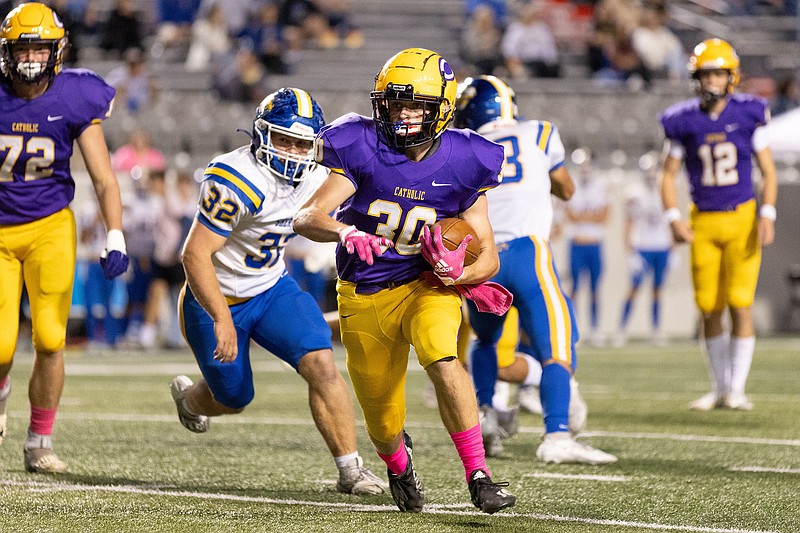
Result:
pixel 445 70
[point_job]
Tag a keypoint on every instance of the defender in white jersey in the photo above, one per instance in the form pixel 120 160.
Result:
pixel 238 289
pixel 648 240
pixel 521 214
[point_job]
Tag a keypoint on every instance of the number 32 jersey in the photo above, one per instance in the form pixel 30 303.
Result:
pixel 36 143
pixel 718 151
pixel 395 197
pixel 241 200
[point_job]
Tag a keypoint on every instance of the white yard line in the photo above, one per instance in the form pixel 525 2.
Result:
pixel 579 477
pixel 353 507
pixel 765 469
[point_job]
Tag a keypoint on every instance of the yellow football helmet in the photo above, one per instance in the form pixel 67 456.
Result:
pixel 714 54
pixel 32 23
pixel 415 75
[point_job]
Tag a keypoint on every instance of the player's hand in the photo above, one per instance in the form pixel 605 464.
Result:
pixel 227 348
pixel 114 258
pixel 681 231
pixel 448 266
pixel 364 244
pixel 766 231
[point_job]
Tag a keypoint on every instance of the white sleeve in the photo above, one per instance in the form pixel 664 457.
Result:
pixel 674 149
pixel 760 139
pixel 219 208
pixel 557 153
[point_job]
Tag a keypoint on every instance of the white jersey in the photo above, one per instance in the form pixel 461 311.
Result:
pixel 241 200
pixel 521 205
pixel 650 230
pixel 591 195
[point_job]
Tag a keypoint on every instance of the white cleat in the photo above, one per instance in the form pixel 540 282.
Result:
pixel 619 340
pixel 659 339
pixel 357 479
pixel 528 399
pixel 192 422
pixel 578 411
pixel 490 431
pixel 43 461
pixel 562 448
pixel 706 402
pixel 737 401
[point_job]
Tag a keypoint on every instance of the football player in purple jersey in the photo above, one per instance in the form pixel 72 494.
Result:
pixel 391 177
pixel 44 109
pixel 718 134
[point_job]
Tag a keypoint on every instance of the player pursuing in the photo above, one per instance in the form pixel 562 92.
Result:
pixel 393 175
pixel 718 133
pixel 648 240
pixel 521 213
pixel 238 289
pixel 43 110
pixel 588 211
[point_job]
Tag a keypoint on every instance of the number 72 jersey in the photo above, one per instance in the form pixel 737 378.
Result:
pixel 719 150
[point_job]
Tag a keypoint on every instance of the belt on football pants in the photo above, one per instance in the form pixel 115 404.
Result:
pixel 372 288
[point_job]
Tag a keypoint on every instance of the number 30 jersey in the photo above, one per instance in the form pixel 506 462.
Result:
pixel 521 206
pixel 395 197
pixel 241 200
pixel 36 142
pixel 718 150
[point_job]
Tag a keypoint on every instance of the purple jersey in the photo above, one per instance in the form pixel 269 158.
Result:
pixel 718 152
pixel 37 139
pixel 395 197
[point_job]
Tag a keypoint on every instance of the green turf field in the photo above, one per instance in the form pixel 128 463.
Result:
pixel 134 468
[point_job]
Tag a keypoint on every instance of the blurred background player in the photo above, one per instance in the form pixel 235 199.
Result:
pixel 718 133
pixel 587 213
pixel 521 213
pixel 37 227
pixel 238 289
pixel 648 241
pixel 395 174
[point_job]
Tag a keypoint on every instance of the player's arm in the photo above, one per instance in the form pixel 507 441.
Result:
pixel 313 220
pixel 488 263
pixel 200 245
pixel 769 195
pixel 681 231
pixel 561 184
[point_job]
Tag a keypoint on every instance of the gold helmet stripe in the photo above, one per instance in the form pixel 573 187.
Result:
pixel 305 107
pixel 506 96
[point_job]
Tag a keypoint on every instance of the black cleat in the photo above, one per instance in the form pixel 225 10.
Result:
pixel 487 495
pixel 407 490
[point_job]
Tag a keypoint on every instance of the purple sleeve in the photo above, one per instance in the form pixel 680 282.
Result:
pixel 90 98
pixel 337 146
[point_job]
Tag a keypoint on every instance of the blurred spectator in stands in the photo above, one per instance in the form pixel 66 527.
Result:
pixel 624 64
pixel 340 21
pixel 123 29
pixel 237 12
pixel 266 37
pixel 175 18
pixel 480 41
pixel 787 96
pixel 210 40
pixel 136 86
pixel 138 157
pixel 612 18
pixel 243 79
pixel 659 48
pixel 304 25
pixel 498 7
pixel 5 7
pixel 176 211
pixel 528 45
pixel 72 24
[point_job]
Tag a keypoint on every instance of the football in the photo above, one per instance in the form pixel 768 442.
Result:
pixel 453 232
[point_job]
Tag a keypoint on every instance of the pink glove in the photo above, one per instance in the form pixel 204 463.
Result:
pixel 364 244
pixel 489 297
pixel 448 266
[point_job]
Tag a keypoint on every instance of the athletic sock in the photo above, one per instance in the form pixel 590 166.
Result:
pixel 718 355
pixel 469 445
pixel 555 393
pixel 741 358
